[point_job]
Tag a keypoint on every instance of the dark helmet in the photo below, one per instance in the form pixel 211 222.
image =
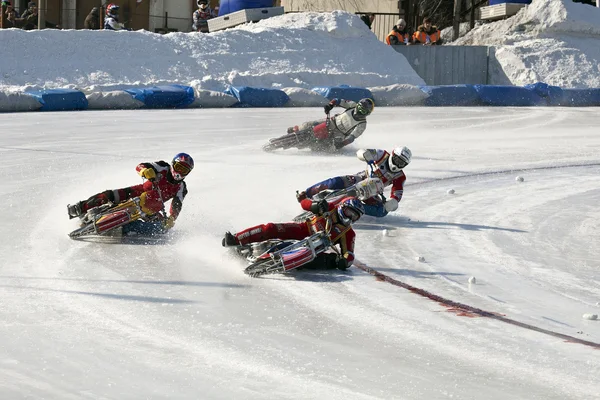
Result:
pixel 350 210
pixel 181 166
pixel 365 107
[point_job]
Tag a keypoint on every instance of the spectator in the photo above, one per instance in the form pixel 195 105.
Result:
pixel 11 21
pixel 399 35
pixel 368 19
pixel 30 17
pixel 31 9
pixel 201 16
pixel 92 21
pixel 427 34
pixel 10 8
pixel 111 22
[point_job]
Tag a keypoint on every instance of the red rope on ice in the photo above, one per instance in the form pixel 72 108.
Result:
pixel 466 310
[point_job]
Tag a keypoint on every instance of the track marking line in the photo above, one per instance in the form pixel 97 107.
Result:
pixel 466 310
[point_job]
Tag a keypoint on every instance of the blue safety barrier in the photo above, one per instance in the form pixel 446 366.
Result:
pixel 451 95
pixel 229 6
pixel 508 96
pixel 168 96
pixel 180 96
pixel 343 92
pixel 553 95
pixel 60 99
pixel 258 97
pixel 581 97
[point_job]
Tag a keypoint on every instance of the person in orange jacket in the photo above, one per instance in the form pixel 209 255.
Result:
pixel 399 34
pixel 427 34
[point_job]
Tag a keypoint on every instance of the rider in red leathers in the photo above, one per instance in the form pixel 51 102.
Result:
pixel 164 182
pixel 342 213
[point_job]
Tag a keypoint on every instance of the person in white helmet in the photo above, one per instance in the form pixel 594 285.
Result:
pixel 111 21
pixel 202 15
pixel 389 167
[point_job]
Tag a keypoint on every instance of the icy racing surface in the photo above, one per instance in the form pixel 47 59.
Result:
pixel 178 319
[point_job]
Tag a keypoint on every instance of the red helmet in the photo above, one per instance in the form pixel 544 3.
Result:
pixel 112 9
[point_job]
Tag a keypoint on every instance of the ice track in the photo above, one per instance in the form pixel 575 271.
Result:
pixel 178 319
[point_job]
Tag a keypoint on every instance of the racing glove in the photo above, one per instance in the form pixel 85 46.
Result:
pixel 330 106
pixel 168 223
pixel 366 156
pixel 320 207
pixel 148 173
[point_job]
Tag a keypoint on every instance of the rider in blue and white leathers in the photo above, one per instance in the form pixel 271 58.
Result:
pixel 385 166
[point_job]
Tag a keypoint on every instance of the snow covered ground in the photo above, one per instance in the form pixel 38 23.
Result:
pixel 551 41
pixel 294 50
pixel 180 320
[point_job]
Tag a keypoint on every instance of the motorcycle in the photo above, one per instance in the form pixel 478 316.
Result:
pixel 314 137
pixel 104 220
pixel 280 256
pixel 363 190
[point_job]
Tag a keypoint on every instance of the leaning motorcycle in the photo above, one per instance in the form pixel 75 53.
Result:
pixel 363 190
pixel 315 137
pixel 104 220
pixel 279 256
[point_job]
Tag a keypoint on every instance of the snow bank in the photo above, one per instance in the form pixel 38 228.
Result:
pixel 11 101
pixel 398 95
pixel 294 50
pixel 116 99
pixel 553 41
pixel 300 97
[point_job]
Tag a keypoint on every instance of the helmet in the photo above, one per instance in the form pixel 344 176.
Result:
pixel 350 210
pixel 401 23
pixel 112 9
pixel 181 166
pixel 202 2
pixel 365 107
pixel 399 158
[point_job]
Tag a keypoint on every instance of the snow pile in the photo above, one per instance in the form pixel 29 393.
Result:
pixel 300 97
pixel 553 41
pixel 11 101
pixel 116 99
pixel 295 50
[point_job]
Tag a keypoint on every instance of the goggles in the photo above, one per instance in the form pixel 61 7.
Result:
pixel 351 214
pixel 398 161
pixel 181 168
pixel 361 110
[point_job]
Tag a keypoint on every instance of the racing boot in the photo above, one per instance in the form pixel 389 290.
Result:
pixel 75 210
pixel 230 240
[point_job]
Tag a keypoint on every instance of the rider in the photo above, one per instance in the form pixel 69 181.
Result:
pixel 201 16
pixel 164 182
pixel 111 22
pixel 343 128
pixel 385 166
pixel 339 215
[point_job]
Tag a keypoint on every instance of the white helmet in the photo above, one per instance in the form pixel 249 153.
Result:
pixel 399 158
